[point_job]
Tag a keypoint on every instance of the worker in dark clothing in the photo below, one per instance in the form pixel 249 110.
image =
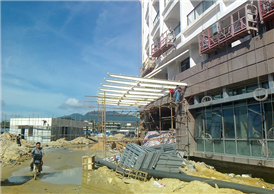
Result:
pixel 18 139
pixel 37 151
pixel 177 94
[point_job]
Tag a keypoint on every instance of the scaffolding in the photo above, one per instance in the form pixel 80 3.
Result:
pixel 144 93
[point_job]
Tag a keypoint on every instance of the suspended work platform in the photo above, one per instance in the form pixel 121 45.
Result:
pixel 233 27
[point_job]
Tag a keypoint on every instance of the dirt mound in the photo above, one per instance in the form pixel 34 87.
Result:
pixel 206 171
pixel 8 136
pixel 27 143
pixel 81 140
pixel 119 136
pixel 107 178
pixel 61 140
pixel 120 145
pixel 11 152
pixel 98 146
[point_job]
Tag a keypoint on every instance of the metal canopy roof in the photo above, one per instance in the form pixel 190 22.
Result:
pixel 134 91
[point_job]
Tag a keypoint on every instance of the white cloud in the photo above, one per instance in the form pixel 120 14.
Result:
pixel 72 103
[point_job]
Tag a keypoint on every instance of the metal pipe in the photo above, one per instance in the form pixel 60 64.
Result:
pixel 188 178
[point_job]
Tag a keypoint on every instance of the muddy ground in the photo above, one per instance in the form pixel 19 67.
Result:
pixel 62 173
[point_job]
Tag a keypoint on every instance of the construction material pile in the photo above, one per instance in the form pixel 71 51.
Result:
pixel 11 152
pixel 105 178
pixel 154 138
pixel 162 157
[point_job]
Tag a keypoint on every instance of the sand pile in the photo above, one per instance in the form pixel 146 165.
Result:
pixel 81 140
pixel 8 136
pixel 107 178
pixel 11 152
pixel 63 142
pixel 120 145
pixel 119 136
pixel 98 146
pixel 27 143
pixel 206 171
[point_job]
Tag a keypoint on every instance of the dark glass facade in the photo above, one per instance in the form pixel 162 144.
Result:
pixel 237 128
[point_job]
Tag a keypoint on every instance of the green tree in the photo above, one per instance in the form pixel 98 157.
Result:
pixel 5 124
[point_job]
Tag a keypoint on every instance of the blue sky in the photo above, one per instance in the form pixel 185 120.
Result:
pixel 55 53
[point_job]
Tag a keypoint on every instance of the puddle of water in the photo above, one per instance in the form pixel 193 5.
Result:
pixel 23 175
pixel 68 176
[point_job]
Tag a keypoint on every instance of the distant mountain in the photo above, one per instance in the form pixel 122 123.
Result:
pixel 111 116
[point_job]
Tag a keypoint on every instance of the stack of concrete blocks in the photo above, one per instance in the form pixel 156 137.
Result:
pixel 161 158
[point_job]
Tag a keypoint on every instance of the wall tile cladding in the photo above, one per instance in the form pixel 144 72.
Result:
pixel 232 66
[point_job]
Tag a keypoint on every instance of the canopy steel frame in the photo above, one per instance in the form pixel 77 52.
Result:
pixel 134 91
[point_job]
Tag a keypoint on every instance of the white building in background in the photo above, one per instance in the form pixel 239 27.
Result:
pixel 46 129
pixel 32 129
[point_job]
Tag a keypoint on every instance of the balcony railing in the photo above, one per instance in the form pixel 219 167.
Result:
pixel 163 43
pixel 198 10
pixel 177 29
pixel 156 18
pixel 266 10
pixel 233 27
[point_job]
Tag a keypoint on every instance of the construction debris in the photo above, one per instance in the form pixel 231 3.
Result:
pixel 154 138
pixel 161 157
pixel 105 177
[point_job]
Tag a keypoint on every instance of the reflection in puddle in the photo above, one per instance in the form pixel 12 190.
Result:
pixel 23 175
pixel 68 176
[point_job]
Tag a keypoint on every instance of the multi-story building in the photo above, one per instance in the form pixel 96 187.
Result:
pixel 112 125
pixel 45 130
pixel 224 51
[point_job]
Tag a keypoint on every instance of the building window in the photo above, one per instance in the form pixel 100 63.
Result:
pixel 241 122
pixel 198 125
pixel 229 131
pixel 198 10
pixel 185 64
pixel 238 124
pixel 247 89
pixel 216 124
pixel 177 29
pixel 255 121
